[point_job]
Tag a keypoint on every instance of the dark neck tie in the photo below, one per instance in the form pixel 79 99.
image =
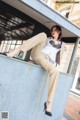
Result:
pixel 58 46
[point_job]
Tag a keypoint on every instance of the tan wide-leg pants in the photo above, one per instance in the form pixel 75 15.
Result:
pixel 37 43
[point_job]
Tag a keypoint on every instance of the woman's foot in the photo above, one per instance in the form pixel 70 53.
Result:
pixel 47 108
pixel 13 52
pixel 8 54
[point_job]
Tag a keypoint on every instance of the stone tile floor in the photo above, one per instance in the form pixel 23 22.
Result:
pixel 72 110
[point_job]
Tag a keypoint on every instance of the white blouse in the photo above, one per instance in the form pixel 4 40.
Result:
pixel 50 50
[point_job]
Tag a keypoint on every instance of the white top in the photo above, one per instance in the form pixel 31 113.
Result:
pixel 50 50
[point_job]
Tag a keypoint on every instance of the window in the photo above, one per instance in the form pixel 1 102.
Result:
pixel 65 12
pixel 7 46
pixel 75 65
pixel 76 82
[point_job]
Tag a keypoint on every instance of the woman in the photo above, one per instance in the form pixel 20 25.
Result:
pixel 44 53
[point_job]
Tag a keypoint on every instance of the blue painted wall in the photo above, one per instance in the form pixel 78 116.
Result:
pixel 23 90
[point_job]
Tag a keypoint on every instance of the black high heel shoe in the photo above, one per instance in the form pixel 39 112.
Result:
pixel 46 112
pixel 3 53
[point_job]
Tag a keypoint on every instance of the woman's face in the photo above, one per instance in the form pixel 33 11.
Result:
pixel 55 33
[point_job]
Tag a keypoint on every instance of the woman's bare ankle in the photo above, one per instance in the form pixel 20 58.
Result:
pixel 49 105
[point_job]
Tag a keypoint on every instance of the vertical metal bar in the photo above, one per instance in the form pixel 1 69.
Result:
pixel 73 57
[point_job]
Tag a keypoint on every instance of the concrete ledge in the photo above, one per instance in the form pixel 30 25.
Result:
pixel 23 90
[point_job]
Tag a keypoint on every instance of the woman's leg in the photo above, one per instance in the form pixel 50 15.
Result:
pixel 44 62
pixel 30 43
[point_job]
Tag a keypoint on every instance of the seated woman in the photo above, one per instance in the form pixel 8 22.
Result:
pixel 44 52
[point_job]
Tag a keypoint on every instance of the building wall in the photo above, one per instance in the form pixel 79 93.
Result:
pixel 66 57
pixel 72 12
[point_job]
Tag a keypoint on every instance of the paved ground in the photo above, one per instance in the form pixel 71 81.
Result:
pixel 72 111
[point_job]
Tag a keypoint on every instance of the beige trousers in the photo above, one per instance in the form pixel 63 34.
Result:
pixel 37 43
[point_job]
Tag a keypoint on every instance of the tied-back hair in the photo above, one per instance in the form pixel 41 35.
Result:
pixel 59 29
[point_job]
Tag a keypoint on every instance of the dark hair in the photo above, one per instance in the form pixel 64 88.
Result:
pixel 59 29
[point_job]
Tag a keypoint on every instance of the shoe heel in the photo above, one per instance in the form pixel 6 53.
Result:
pixel 44 107
pixel 46 112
